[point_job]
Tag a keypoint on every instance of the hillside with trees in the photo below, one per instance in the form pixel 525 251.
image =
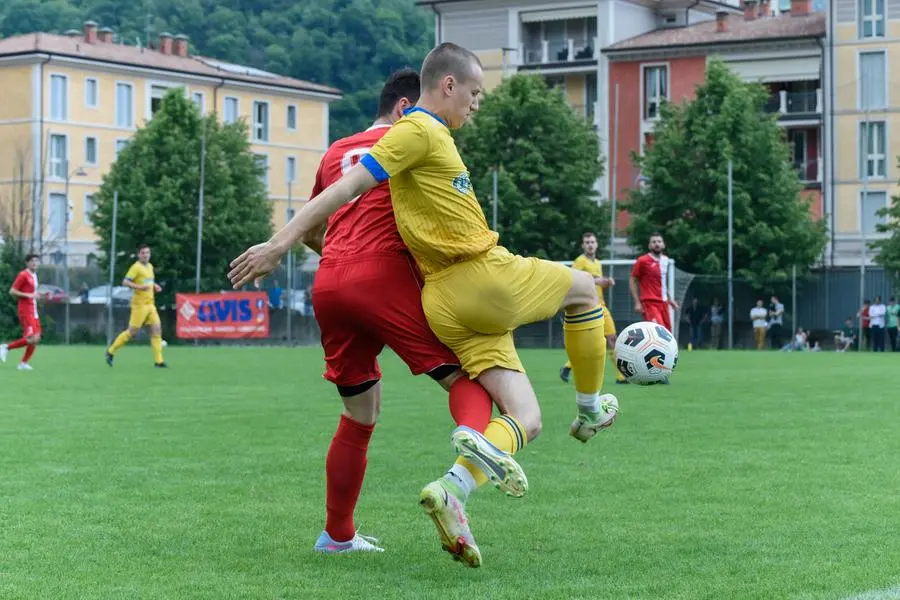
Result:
pixel 350 44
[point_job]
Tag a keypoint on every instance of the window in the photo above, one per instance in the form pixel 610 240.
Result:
pixel 59 97
pixel 871 18
pixel 870 204
pixel 199 100
pixel 290 213
pixel 590 95
pixel 58 215
pixel 90 150
pixel 124 105
pixel 89 207
pixel 797 138
pixel 91 92
pixel 58 156
pixel 262 161
pixel 157 93
pixel 873 147
pixel 120 145
pixel 261 121
pixel 872 88
pixel 290 171
pixel 231 109
pixel 656 89
pixel 292 117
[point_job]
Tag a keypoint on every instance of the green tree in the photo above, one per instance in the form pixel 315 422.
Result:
pixel 686 198
pixel 548 162
pixel 888 249
pixel 157 177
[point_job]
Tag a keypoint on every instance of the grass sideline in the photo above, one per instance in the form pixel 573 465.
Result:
pixel 755 475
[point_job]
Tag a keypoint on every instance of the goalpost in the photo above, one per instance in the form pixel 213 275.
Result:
pixel 618 298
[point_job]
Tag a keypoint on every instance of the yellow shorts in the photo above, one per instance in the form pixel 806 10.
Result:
pixel 144 315
pixel 474 306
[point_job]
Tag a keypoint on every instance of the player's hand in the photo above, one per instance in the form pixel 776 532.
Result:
pixel 257 261
pixel 674 304
pixel 638 308
pixel 157 287
pixel 605 282
pixel 146 288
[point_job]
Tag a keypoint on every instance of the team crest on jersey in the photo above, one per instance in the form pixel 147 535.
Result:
pixel 462 183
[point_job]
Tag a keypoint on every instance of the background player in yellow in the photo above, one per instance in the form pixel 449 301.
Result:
pixel 589 263
pixel 476 292
pixel 141 279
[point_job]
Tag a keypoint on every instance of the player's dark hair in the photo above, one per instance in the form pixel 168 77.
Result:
pixel 142 246
pixel 28 257
pixel 448 59
pixel 654 234
pixel 588 234
pixel 404 83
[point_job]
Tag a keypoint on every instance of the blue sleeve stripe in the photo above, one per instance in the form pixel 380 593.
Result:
pixel 377 171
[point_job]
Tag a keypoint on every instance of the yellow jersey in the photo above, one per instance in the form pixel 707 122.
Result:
pixel 436 210
pixel 595 268
pixel 140 274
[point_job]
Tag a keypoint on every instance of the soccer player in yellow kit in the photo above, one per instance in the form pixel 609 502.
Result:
pixel 589 263
pixel 476 292
pixel 141 279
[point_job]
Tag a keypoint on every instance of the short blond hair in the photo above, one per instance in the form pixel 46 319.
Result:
pixel 448 59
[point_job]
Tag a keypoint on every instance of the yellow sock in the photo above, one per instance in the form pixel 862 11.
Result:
pixel 504 432
pixel 120 341
pixel 612 361
pixel 586 347
pixel 156 344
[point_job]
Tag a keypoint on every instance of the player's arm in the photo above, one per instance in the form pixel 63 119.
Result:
pixel 400 149
pixel 16 292
pixel 633 282
pixel 130 276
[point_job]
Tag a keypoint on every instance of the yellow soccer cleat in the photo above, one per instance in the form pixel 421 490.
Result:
pixel 588 424
pixel 449 516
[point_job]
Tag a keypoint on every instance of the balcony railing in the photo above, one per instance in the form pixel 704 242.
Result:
pixel 559 50
pixel 808 171
pixel 795 103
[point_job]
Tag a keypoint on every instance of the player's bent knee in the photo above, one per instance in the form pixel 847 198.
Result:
pixel 583 293
pixel 445 375
pixel 132 331
pixel 362 403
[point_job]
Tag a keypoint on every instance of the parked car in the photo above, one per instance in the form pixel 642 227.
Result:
pixel 121 295
pixel 51 293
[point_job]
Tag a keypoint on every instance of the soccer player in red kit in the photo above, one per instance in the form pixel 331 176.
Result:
pixel 649 284
pixel 367 295
pixel 24 288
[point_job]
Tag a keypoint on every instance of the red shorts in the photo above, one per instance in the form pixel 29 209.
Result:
pixel 657 312
pixel 364 304
pixel 31 325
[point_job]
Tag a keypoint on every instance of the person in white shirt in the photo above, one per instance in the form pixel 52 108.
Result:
pixel 877 311
pixel 758 315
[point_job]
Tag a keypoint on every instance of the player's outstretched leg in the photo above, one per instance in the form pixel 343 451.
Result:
pixel 122 339
pixel 586 346
pixel 448 512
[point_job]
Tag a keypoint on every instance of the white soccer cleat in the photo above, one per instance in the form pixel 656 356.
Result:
pixel 587 424
pixel 24 367
pixel 359 543
pixel 499 467
pixel 4 352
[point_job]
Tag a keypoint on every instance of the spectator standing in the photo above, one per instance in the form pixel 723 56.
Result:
pixel 85 294
pixel 758 315
pixel 696 316
pixel 893 316
pixel 716 319
pixel 877 311
pixel 776 322
pixel 865 331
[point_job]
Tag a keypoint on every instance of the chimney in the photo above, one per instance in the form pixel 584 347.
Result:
pixel 165 43
pixel 105 35
pixel 749 10
pixel 721 21
pixel 90 32
pixel 181 45
pixel 764 10
pixel 800 8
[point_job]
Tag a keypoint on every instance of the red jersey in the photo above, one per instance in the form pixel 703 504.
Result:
pixel 652 275
pixel 365 225
pixel 27 283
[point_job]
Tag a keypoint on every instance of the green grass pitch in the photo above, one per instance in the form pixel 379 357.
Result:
pixel 753 476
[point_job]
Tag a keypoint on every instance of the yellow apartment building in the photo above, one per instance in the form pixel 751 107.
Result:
pixel 71 102
pixel 866 129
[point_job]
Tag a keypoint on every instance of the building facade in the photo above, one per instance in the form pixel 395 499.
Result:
pixel 73 102
pixel 864 45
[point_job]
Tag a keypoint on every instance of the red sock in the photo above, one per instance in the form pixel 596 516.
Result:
pixel 345 467
pixel 28 352
pixel 470 404
pixel 18 344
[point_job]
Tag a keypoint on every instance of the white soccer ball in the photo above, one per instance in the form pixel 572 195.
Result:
pixel 646 353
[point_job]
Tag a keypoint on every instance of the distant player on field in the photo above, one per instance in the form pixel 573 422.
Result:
pixel 476 293
pixel 649 284
pixel 24 289
pixel 367 295
pixel 590 264
pixel 140 277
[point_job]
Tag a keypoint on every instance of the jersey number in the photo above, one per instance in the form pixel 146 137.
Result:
pixel 350 159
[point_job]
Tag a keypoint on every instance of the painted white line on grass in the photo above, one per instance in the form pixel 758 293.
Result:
pixel 892 593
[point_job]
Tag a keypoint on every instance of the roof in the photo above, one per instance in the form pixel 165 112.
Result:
pixel 76 47
pixel 739 31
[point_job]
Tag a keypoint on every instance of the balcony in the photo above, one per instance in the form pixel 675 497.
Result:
pixel 559 51
pixel 809 172
pixel 552 41
pixel 796 105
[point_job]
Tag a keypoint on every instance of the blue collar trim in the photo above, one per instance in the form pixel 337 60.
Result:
pixel 427 112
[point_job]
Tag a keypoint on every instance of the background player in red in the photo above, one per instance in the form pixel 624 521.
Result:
pixel 367 295
pixel 24 288
pixel 649 284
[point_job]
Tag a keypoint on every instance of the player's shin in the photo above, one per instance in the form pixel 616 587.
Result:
pixel 29 351
pixel 122 339
pixel 507 435
pixel 345 468
pixel 586 346
pixel 156 345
